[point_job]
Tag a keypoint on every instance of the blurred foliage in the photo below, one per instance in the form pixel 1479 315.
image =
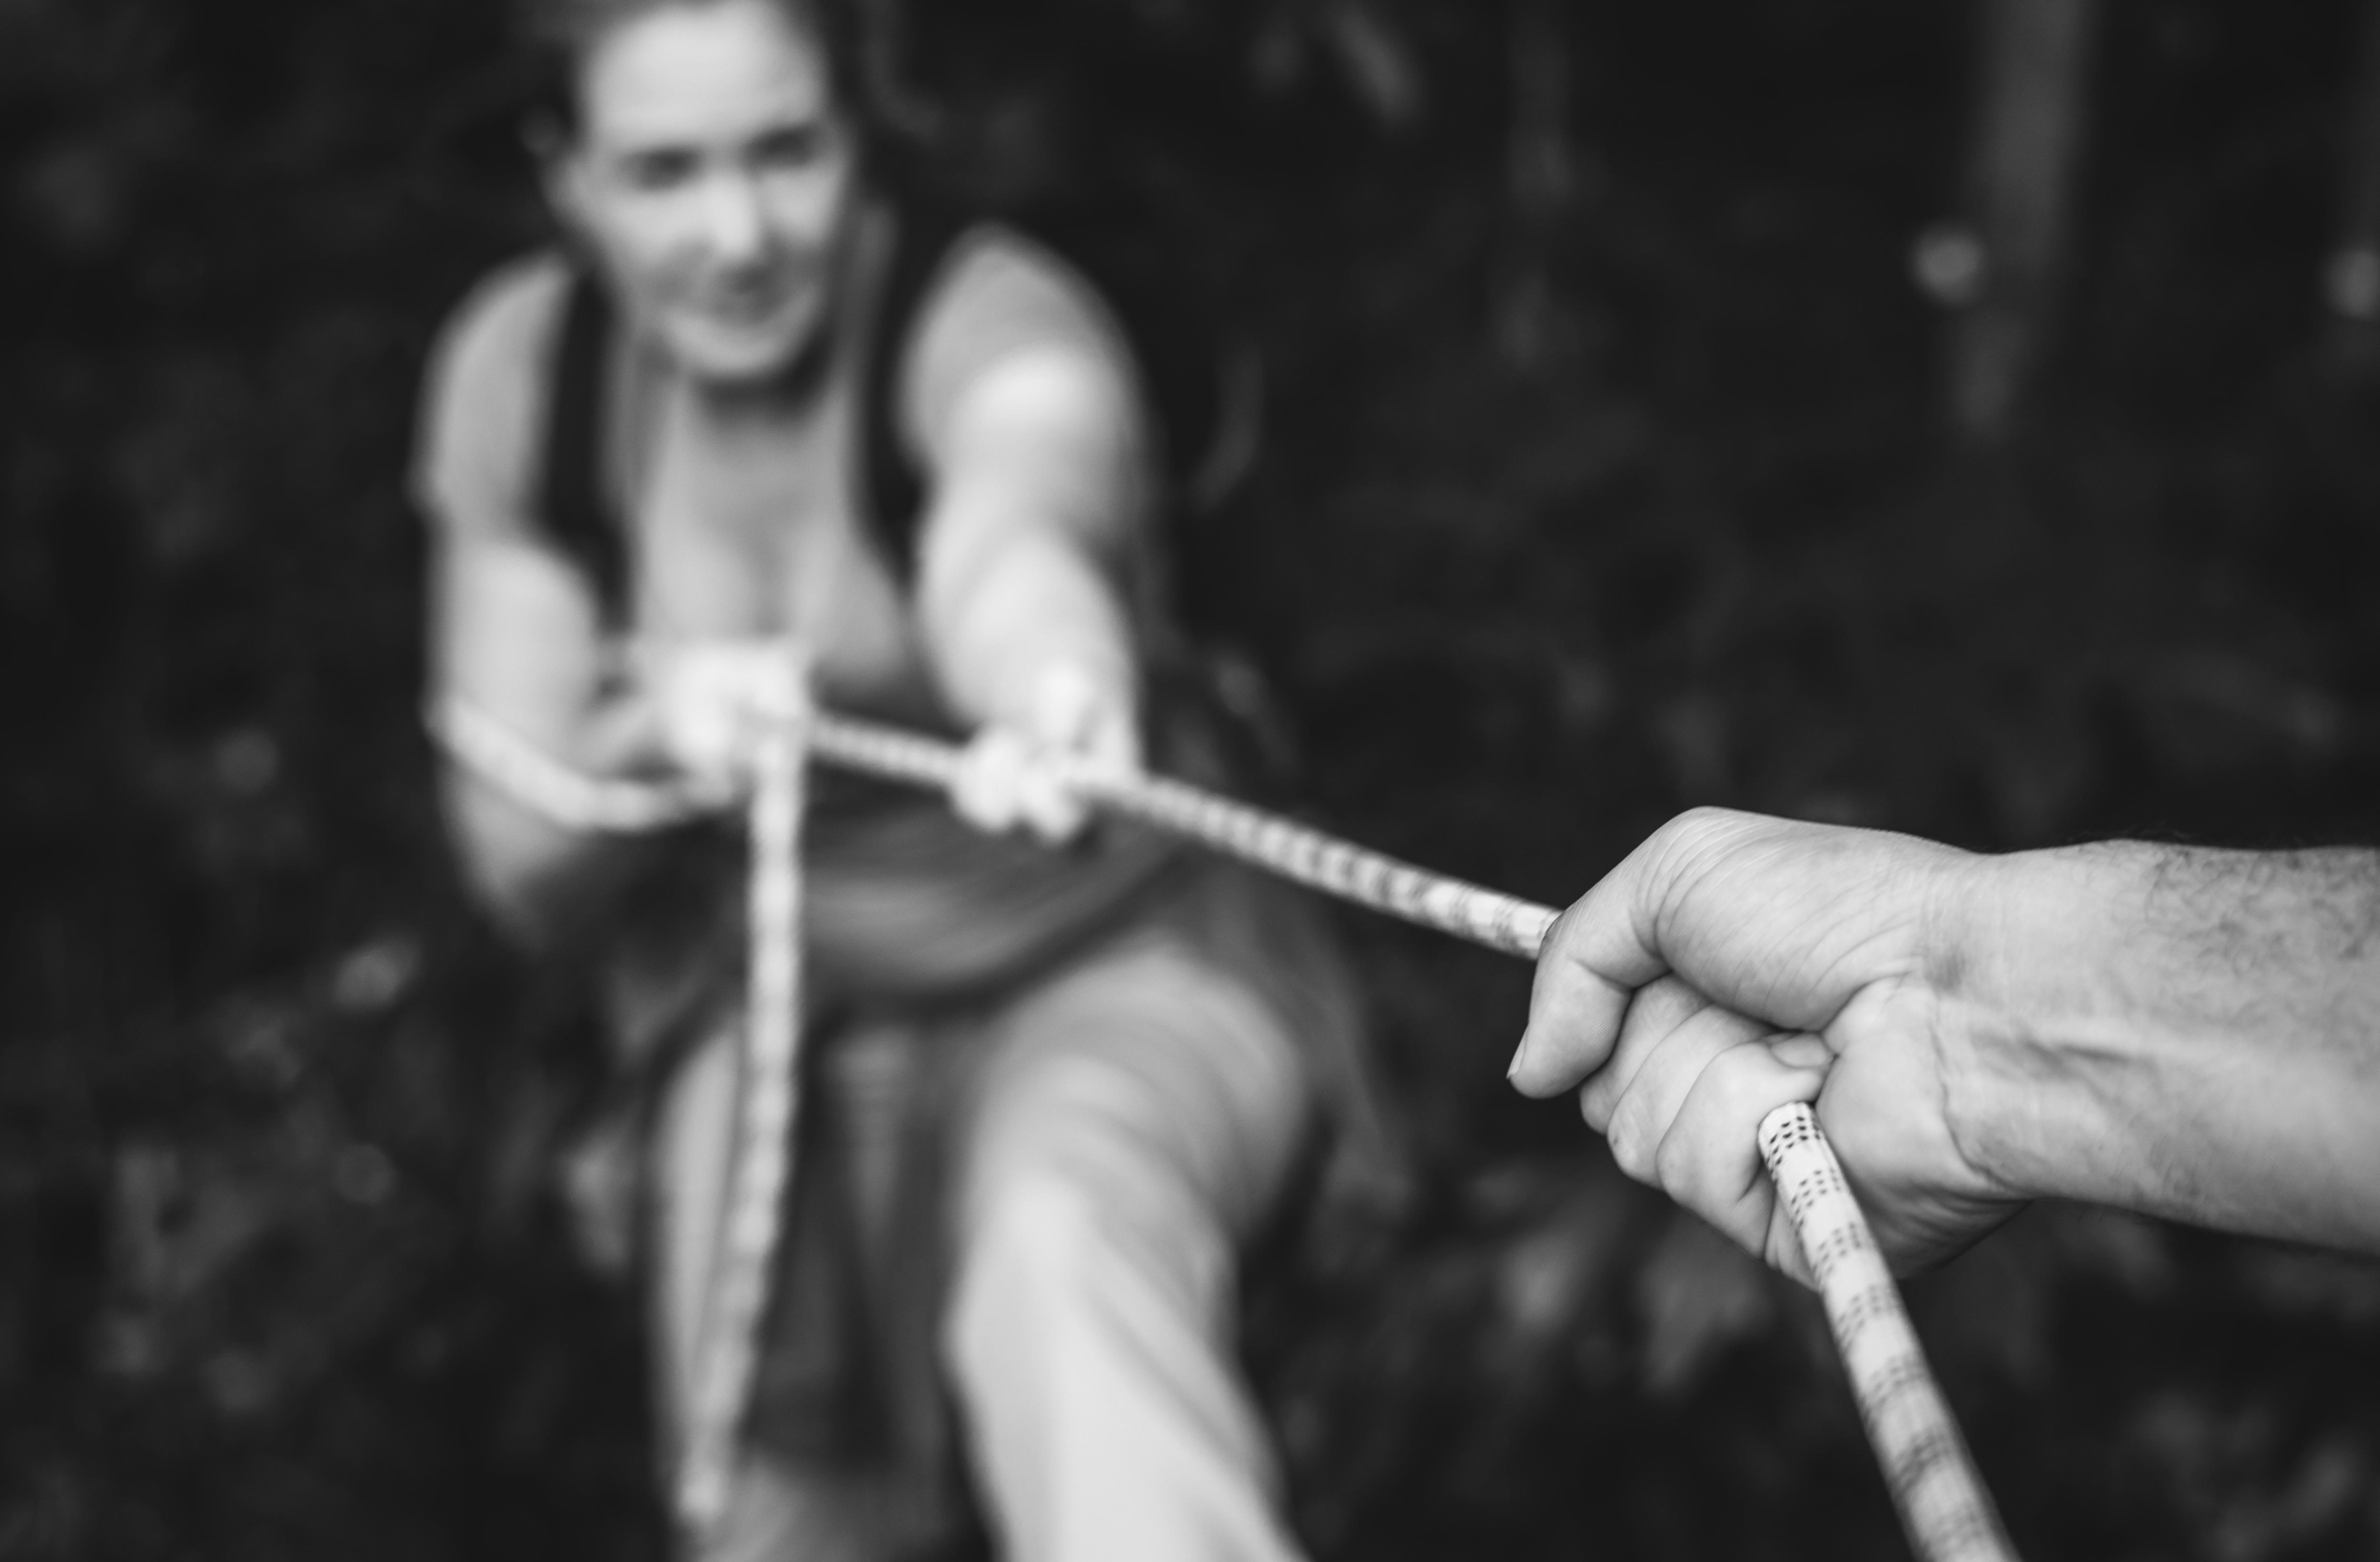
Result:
pixel 1588 492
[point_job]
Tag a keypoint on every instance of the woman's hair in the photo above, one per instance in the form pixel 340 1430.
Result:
pixel 557 35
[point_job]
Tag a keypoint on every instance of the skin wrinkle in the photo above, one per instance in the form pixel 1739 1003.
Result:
pixel 1994 1093
pixel 1681 868
pixel 1937 1032
pixel 1668 881
pixel 1832 911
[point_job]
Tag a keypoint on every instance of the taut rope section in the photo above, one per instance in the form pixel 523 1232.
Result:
pixel 1943 1505
pixel 1267 840
pixel 727 1353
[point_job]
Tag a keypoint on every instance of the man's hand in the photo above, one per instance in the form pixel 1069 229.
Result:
pixel 1017 775
pixel 1734 963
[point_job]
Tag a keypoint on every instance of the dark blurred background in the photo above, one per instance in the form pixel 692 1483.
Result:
pixel 1954 418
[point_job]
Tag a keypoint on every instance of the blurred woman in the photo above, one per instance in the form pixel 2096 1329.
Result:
pixel 753 394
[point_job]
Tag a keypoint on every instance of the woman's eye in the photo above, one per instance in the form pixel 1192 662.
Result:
pixel 661 169
pixel 794 146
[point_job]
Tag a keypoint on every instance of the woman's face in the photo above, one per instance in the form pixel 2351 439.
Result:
pixel 712 173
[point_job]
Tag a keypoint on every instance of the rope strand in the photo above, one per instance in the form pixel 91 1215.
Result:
pixel 728 1350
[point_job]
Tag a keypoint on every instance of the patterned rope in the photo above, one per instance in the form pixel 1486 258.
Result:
pixel 1944 1507
pixel 1943 1504
pixel 1267 840
pixel 767 1062
pixel 728 1349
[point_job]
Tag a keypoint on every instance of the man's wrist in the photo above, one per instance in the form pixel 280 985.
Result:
pixel 2041 1048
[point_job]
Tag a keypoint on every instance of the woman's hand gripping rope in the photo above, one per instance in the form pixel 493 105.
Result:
pixel 1040 773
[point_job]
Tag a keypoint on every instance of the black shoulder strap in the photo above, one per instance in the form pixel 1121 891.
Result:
pixel 571 504
pixel 896 494
pixel 1138 271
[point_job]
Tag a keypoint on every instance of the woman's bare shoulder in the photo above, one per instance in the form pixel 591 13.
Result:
pixel 484 396
pixel 999 294
pixel 504 326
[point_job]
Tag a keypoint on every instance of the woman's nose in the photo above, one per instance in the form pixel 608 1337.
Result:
pixel 732 220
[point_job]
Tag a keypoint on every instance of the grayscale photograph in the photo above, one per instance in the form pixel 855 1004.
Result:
pixel 1189 781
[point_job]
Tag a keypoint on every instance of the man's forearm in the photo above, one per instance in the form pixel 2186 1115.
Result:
pixel 2187 1032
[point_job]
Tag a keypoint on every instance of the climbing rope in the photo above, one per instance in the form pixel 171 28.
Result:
pixel 1266 840
pixel 1944 1507
pixel 727 1345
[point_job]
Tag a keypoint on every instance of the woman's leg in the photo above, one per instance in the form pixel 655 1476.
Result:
pixel 1133 1119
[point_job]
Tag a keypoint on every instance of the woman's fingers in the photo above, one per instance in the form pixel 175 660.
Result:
pixel 712 697
pixel 1047 800
pixel 987 789
pixel 1005 782
pixel 1028 776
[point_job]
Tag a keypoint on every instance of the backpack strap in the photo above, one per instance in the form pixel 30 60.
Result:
pixel 571 504
pixel 1171 340
pixel 895 497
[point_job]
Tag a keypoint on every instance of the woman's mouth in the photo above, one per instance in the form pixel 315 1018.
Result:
pixel 752 298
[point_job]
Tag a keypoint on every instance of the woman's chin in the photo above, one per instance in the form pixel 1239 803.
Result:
pixel 735 353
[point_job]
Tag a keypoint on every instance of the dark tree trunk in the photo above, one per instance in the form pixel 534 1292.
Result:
pixel 2351 279
pixel 2032 82
pixel 1534 325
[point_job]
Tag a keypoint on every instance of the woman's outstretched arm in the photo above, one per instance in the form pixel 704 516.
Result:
pixel 1026 412
pixel 514 630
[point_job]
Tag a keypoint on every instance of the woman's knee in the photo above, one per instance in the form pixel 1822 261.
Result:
pixel 1142 1105
pixel 1058 1252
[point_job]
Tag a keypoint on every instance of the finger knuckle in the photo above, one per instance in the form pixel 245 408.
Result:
pixel 1744 1082
pixel 1632 1141
pixel 1676 1163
